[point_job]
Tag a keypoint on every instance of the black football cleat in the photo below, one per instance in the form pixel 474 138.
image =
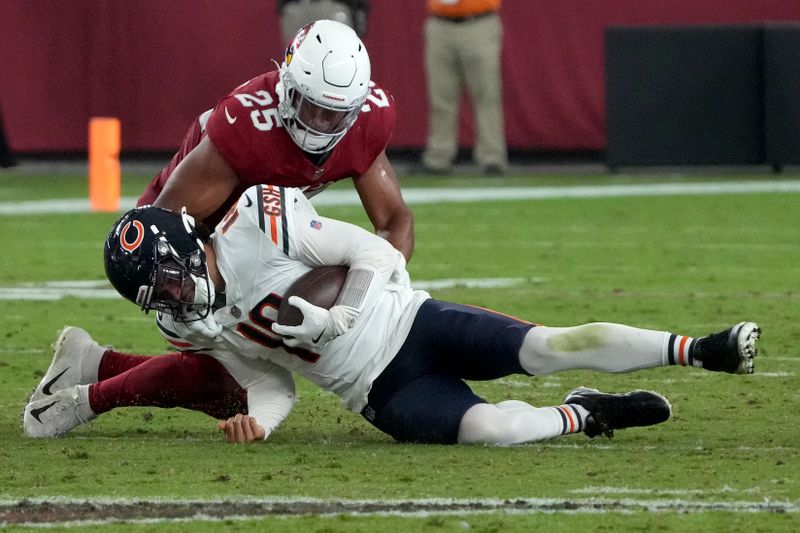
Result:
pixel 608 412
pixel 730 351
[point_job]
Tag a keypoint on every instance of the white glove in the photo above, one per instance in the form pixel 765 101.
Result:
pixel 201 333
pixel 191 328
pixel 204 291
pixel 204 330
pixel 319 325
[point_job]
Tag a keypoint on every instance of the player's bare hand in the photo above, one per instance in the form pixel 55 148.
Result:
pixel 241 428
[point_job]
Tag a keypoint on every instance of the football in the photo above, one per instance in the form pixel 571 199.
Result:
pixel 319 286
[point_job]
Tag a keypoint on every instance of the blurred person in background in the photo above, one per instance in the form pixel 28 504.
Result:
pixel 7 158
pixel 294 14
pixel 463 41
pixel 306 125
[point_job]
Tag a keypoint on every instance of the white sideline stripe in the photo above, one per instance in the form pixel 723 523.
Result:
pixel 281 507
pixel 43 294
pixel 616 446
pixel 472 283
pixel 101 289
pixel 668 492
pixel 439 194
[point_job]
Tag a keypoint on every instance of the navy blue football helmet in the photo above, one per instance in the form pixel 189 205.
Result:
pixel 155 258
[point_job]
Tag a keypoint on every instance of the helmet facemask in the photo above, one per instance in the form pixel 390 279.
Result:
pixel 314 126
pixel 178 283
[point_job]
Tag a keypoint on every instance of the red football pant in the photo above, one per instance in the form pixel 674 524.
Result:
pixel 192 381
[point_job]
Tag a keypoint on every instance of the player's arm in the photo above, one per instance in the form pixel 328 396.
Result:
pixel 380 194
pixel 201 182
pixel 270 397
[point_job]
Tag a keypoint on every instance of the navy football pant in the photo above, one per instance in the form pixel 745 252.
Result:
pixel 421 395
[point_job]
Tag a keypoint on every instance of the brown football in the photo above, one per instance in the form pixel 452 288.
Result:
pixel 319 286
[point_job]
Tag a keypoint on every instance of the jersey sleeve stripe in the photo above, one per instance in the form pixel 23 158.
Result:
pixel 230 217
pixel 272 216
pixel 284 222
pixel 260 206
pixel 180 344
pixel 273 229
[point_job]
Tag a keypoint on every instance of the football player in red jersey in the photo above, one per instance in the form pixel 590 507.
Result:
pixel 317 119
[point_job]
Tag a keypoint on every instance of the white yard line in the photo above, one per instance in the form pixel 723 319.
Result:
pixel 101 289
pixel 290 507
pixel 437 195
pixel 604 490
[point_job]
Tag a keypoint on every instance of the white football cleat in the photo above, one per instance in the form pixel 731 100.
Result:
pixel 58 413
pixel 76 358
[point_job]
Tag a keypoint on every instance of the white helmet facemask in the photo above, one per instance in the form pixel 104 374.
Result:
pixel 324 81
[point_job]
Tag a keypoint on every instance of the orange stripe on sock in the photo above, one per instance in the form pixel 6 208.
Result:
pixel 681 355
pixel 566 410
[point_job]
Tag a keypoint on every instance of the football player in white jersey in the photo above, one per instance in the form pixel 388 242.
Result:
pixel 392 353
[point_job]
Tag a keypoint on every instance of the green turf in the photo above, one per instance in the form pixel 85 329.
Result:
pixel 690 264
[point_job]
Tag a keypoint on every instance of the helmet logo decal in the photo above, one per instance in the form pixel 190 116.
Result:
pixel 296 42
pixel 131 243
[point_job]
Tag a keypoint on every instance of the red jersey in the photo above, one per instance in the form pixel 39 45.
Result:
pixel 246 129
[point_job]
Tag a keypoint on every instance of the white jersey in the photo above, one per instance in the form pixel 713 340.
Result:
pixel 272 236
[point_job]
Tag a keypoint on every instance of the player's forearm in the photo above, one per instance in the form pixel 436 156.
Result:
pixel 201 182
pixel 399 231
pixel 269 415
pixel 270 401
pixel 270 388
pixel 199 202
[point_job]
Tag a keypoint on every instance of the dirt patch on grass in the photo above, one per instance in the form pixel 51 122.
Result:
pixel 58 511
pixel 33 512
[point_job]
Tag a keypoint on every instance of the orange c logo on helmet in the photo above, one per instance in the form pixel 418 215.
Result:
pixel 128 245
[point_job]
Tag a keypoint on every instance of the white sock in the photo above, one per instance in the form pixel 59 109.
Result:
pixel 515 422
pixel 90 363
pixel 84 409
pixel 599 346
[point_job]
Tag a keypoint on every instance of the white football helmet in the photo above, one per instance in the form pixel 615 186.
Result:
pixel 324 80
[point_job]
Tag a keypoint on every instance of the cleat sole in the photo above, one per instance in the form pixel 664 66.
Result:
pixel 747 335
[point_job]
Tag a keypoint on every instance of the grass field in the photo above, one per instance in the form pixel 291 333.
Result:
pixel 727 461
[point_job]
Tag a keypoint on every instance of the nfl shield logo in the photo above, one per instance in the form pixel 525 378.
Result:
pixel 315 224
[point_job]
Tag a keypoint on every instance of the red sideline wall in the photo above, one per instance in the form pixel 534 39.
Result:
pixel 156 64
